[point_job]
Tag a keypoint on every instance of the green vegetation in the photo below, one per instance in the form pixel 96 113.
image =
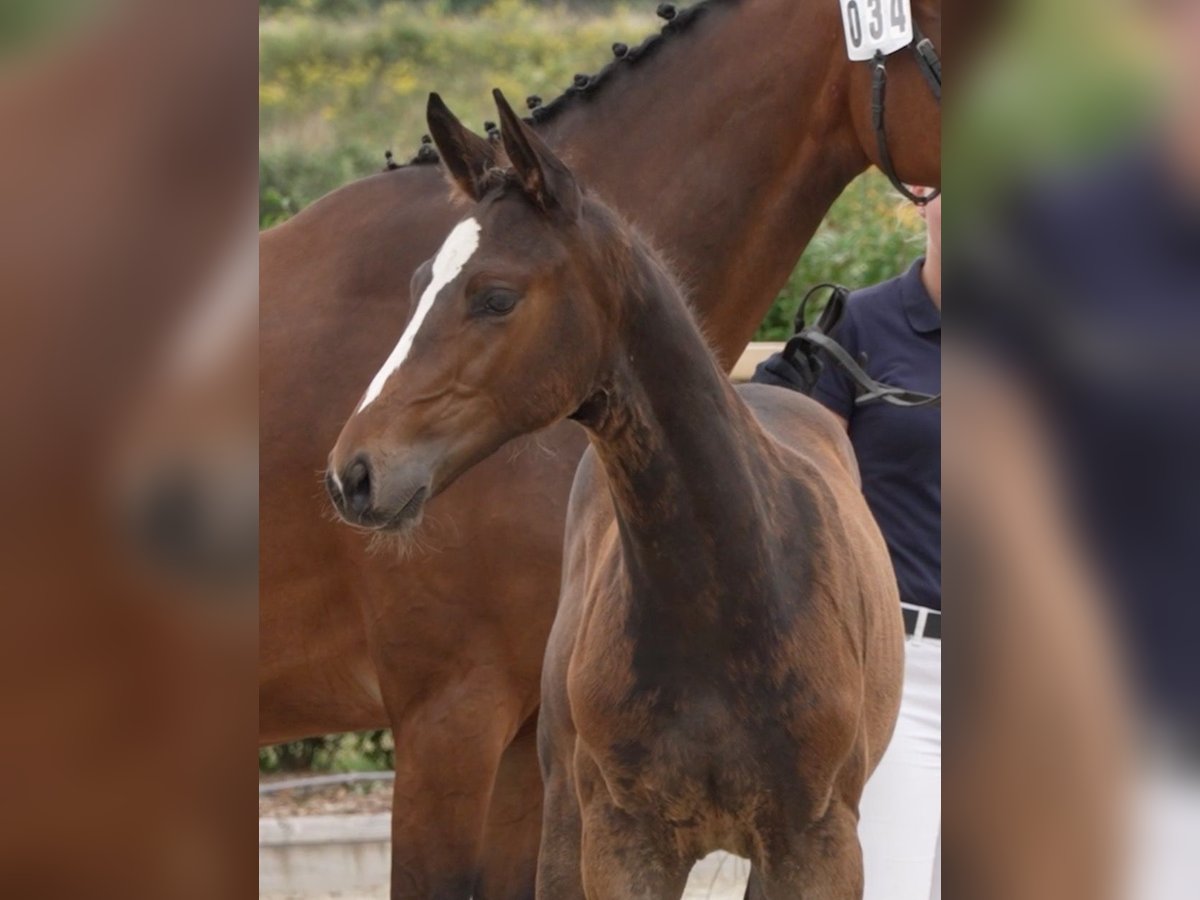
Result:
pixel 343 80
pixel 364 751
pixel 336 92
pixel 1061 83
pixel 30 22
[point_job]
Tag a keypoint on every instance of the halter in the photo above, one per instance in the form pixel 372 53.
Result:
pixel 931 67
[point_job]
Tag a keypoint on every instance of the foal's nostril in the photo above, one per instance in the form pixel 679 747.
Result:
pixel 356 487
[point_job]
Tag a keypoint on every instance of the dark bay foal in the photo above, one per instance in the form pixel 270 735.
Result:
pixel 724 670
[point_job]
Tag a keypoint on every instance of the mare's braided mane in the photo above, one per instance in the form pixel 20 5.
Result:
pixel 583 87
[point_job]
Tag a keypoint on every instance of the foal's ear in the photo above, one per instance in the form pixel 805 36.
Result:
pixel 465 154
pixel 544 177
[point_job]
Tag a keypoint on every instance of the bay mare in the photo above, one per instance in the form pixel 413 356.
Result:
pixel 725 665
pixel 725 146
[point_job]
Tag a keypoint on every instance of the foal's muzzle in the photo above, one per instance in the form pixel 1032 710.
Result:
pixel 382 499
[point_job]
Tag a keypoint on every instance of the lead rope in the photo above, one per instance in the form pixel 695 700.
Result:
pixel 872 389
pixel 810 339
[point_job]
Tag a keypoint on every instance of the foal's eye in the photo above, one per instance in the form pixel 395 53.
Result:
pixel 496 302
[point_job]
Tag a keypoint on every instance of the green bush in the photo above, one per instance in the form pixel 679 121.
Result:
pixel 341 81
pixel 364 751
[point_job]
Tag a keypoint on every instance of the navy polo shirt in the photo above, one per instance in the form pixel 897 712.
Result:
pixel 1096 311
pixel 899 330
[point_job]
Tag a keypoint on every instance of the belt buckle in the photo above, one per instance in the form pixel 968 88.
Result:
pixel 922 613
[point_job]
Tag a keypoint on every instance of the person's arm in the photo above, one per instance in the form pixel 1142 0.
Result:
pixel 835 389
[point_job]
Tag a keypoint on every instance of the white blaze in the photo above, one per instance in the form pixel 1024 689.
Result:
pixel 459 247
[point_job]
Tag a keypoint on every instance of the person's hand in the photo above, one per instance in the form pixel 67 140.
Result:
pixel 780 371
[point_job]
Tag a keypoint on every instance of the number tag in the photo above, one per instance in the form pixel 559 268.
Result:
pixel 870 25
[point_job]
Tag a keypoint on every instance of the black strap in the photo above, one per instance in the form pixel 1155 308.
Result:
pixel 804 354
pixel 931 67
pixel 831 312
pixel 872 389
pixel 928 62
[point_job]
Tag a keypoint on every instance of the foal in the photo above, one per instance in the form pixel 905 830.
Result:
pixel 724 670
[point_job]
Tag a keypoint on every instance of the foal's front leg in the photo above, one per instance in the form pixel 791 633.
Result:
pixel 560 876
pixel 625 858
pixel 822 862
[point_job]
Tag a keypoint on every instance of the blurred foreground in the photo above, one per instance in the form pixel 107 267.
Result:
pixel 1072 499
pixel 127 392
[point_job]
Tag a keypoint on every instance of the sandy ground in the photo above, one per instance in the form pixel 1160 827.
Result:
pixel 717 877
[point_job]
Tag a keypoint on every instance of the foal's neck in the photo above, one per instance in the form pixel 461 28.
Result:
pixel 687 466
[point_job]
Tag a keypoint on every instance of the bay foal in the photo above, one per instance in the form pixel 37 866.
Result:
pixel 724 669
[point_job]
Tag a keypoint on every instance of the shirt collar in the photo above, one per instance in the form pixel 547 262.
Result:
pixel 923 315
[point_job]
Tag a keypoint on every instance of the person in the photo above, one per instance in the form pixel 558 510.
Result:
pixel 894 330
pixel 1087 321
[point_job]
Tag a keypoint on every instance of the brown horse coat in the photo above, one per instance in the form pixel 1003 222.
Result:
pixel 724 671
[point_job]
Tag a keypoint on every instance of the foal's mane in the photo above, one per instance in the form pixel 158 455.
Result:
pixel 585 87
pixel 663 261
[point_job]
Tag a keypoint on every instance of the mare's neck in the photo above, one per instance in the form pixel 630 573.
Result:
pixel 726 146
pixel 689 472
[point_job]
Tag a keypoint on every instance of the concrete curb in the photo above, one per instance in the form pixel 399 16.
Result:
pixel 315 854
pixel 312 855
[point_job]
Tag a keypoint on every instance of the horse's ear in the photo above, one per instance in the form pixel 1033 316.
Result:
pixel 544 177
pixel 465 154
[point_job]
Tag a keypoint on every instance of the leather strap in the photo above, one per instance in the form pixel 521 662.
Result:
pixel 931 67
pixel 872 389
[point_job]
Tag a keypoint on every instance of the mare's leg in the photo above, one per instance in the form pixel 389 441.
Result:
pixel 448 749
pixel 823 862
pixel 514 826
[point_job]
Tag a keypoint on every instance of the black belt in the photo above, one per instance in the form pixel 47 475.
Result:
pixel 912 618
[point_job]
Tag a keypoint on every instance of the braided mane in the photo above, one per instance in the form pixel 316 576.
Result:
pixel 584 87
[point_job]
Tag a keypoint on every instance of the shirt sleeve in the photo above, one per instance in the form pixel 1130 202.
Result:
pixel 834 388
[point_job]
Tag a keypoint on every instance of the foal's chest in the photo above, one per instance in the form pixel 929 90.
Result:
pixel 689 734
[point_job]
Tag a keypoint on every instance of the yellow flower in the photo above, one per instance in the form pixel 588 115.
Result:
pixel 271 94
